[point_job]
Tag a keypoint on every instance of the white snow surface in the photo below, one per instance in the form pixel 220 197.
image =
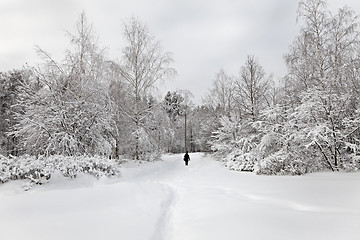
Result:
pixel 167 201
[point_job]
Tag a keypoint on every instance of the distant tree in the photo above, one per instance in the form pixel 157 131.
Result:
pixel 220 99
pixel 186 110
pixel 158 126
pixel 217 104
pixel 225 137
pixel 203 126
pixel 172 104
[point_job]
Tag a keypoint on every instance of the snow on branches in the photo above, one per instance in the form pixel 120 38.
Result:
pixel 39 170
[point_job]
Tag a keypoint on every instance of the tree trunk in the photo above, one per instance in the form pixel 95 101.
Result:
pixel 185 133
pixel 116 149
pixel 326 158
pixel 137 140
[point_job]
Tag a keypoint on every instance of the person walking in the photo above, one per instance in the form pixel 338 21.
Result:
pixel 186 158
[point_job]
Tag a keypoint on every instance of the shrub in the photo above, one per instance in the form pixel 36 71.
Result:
pixel 39 170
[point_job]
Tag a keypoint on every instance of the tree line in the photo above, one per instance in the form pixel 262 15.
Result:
pixel 88 104
pixel 310 121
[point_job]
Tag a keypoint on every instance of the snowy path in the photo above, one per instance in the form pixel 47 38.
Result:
pixel 168 201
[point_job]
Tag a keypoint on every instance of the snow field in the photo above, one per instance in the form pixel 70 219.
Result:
pixel 166 200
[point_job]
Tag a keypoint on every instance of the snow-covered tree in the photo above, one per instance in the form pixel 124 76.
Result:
pixel 282 146
pixel 309 123
pixel 235 103
pixel 323 62
pixel 251 88
pixel 66 105
pixel 202 127
pixel 143 65
pixel 325 53
pixel 220 99
pixel 10 84
pixel 172 104
pixel 226 135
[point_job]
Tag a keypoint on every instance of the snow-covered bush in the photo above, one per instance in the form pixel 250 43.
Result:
pixel 5 174
pixel 239 161
pixel 39 170
pixel 281 163
pixel 241 157
pixel 351 163
pixel 233 143
pixel 142 146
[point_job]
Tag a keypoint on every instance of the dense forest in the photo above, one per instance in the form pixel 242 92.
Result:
pixel 89 105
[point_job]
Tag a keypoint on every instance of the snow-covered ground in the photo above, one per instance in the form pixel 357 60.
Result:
pixel 168 201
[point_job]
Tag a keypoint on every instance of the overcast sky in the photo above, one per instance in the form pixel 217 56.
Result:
pixel 204 35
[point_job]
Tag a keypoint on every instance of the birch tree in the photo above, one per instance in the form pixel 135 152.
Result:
pixel 144 64
pixel 220 99
pixel 322 63
pixel 251 88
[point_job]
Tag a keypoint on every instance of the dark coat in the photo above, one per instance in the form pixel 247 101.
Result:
pixel 186 157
